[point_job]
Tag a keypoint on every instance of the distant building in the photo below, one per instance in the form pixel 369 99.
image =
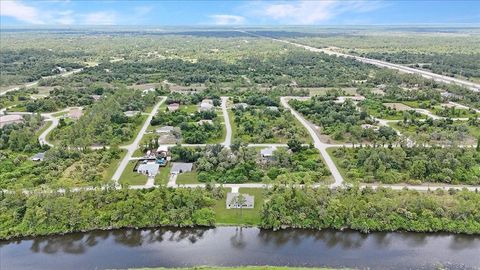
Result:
pixel 368 126
pixel 75 113
pixel 10 119
pixel 232 201
pixel 267 153
pixel 342 99
pixel 148 90
pixel 38 157
pixel 205 121
pixel 206 105
pixel 96 97
pixel 272 108
pixel 131 113
pixel 181 167
pixel 166 130
pixel 240 106
pixel 173 107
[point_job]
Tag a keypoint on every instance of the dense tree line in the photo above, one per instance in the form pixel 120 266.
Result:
pixel 104 122
pixel 453 64
pixel 191 130
pixel 60 168
pixel 440 131
pixel 21 137
pixel 369 210
pixel 267 124
pixel 26 65
pixel 451 165
pixel 342 121
pixel 43 214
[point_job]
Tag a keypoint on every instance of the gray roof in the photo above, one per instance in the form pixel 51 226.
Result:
pixel 178 167
pixel 38 156
pixel 267 152
pixel 165 129
pixel 151 167
pixel 231 200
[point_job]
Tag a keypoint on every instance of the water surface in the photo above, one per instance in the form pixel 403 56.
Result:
pixel 232 246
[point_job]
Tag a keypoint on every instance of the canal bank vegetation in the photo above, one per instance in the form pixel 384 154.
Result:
pixel 369 210
pixel 58 213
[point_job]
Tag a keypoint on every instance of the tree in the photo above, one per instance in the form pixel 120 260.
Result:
pixel 295 145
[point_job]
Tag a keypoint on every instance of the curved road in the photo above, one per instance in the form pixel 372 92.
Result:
pixel 35 83
pixel 426 74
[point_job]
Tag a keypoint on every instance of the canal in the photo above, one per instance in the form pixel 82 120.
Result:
pixel 232 246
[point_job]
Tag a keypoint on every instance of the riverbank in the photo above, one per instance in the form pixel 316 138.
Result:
pixel 364 210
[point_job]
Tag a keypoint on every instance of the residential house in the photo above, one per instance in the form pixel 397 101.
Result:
pixel 38 157
pixel 206 105
pixel 181 167
pixel 173 107
pixel 232 201
pixel 75 113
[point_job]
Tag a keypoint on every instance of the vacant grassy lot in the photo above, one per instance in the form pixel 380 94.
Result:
pixel 162 177
pixel 129 177
pixel 188 178
pixel 240 216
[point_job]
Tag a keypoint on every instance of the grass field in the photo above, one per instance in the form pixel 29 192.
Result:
pixel 321 91
pixel 108 173
pixel 188 178
pixel 164 173
pixel 226 216
pixel 129 177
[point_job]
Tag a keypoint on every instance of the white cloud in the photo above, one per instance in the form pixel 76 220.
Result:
pixel 310 12
pixel 101 18
pixel 142 10
pixel 64 17
pixel 224 19
pixel 20 11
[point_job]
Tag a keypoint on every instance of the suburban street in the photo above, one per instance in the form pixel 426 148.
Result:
pixel 133 146
pixel 226 120
pixel 322 147
pixel 426 74
pixel 35 83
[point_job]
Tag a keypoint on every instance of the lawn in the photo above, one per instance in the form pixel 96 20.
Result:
pixel 187 178
pixel 129 177
pixel 321 91
pixel 162 177
pixel 108 173
pixel 226 216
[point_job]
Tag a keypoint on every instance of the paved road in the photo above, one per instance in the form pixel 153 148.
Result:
pixel 132 147
pixel 322 147
pixel 226 119
pixel 426 74
pixel 35 83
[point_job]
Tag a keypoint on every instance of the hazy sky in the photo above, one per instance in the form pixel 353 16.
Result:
pixel 335 12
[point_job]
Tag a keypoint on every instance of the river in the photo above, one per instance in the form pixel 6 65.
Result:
pixel 232 246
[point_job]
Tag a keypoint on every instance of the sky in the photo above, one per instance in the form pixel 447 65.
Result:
pixel 295 12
